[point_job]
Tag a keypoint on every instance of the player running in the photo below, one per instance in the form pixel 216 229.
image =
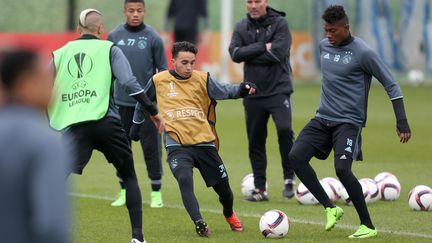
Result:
pixel 348 65
pixel 186 99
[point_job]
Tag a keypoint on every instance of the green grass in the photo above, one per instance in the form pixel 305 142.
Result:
pixel 96 221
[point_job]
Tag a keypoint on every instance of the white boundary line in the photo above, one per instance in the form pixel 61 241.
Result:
pixel 254 215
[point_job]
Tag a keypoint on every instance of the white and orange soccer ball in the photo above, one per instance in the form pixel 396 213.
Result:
pixel 388 186
pixel 332 187
pixel 420 198
pixel 304 196
pixel 274 224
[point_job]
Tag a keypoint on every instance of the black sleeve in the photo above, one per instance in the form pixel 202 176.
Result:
pixel 401 119
pixel 240 52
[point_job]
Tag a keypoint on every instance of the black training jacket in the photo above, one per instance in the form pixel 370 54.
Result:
pixel 269 70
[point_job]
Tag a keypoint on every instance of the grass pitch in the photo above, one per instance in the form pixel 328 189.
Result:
pixel 96 221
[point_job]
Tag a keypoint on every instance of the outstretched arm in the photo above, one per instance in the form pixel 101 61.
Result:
pixel 373 65
pixel 221 91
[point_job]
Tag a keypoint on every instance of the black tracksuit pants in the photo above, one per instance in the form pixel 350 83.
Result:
pixel 258 112
pixel 150 143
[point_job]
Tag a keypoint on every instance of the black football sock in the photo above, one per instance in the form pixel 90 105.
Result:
pixel 184 178
pixel 156 184
pixel 121 182
pixel 134 206
pixel 226 197
pixel 354 190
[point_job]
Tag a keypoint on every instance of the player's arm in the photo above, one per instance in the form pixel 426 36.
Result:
pixel 139 115
pixel 123 72
pixel 221 90
pixel 49 209
pixel 277 50
pixel 158 52
pixel 240 52
pixel 373 65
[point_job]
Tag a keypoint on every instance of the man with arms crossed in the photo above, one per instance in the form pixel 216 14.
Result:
pixel 262 41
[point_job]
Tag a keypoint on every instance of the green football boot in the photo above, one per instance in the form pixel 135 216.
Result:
pixel 156 199
pixel 364 232
pixel 121 199
pixel 333 215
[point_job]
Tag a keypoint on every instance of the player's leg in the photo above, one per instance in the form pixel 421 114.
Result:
pixel 256 125
pixel 151 146
pixel 214 174
pixel 80 140
pixel 347 146
pixel 280 109
pixel 313 141
pixel 181 162
pixel 126 115
pixel 113 143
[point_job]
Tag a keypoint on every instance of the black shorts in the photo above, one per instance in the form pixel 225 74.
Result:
pixel 107 136
pixel 205 158
pixel 325 135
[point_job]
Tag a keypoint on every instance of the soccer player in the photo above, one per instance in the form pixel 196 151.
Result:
pixel 145 52
pixel 262 41
pixel 347 65
pixel 83 107
pixel 186 100
pixel 33 159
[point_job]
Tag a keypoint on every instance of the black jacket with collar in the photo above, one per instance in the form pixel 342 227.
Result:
pixel 269 70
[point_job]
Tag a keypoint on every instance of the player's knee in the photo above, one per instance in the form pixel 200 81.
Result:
pixel 295 159
pixel 184 178
pixel 343 172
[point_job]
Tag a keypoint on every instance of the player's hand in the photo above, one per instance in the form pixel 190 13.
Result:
pixel 403 131
pixel 134 132
pixel 247 88
pixel 268 46
pixel 159 122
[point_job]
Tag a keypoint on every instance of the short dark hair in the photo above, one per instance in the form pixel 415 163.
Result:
pixel 334 13
pixel 183 46
pixel 14 64
pixel 134 1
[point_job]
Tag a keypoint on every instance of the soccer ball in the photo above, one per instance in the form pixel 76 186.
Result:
pixel 420 198
pixel 274 224
pixel 388 186
pixel 332 187
pixel 304 196
pixel 370 190
pixel 247 185
pixel 415 77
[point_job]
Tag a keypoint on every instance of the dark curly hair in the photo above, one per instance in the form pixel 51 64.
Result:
pixel 183 46
pixel 334 13
pixel 134 1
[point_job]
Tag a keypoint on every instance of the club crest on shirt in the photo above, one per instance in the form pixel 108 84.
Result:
pixel 142 44
pixel 347 57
